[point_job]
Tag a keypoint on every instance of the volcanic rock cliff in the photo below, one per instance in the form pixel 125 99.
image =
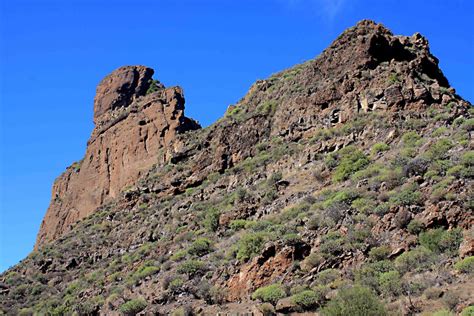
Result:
pixel 341 186
pixel 131 127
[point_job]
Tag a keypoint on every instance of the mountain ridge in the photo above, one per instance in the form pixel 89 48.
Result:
pixel 350 170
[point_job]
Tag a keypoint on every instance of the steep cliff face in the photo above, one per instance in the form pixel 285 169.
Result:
pixel 131 127
pixel 350 175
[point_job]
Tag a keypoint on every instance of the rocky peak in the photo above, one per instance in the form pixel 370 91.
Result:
pixel 135 118
pixel 120 88
pixel 369 44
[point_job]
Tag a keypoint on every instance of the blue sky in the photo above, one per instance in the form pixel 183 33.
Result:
pixel 53 54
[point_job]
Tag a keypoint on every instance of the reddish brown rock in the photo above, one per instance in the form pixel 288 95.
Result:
pixel 270 266
pixel 466 248
pixel 131 128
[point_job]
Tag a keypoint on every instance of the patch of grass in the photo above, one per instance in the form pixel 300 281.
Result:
pixel 269 294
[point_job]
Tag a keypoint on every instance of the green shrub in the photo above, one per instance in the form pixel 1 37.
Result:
pixel 466 265
pixel 467 160
pixel 267 309
pixel 379 253
pixel 133 307
pixel 364 205
pixel 440 240
pixel 351 160
pixel 306 300
pixel 468 124
pixel 175 284
pixel 390 283
pixel 415 227
pixel 468 311
pixel 200 247
pixel 439 150
pixel 312 261
pixel 327 276
pixel 355 301
pixel 238 224
pixel 378 148
pixel 418 259
pixel 267 107
pixel 250 245
pixel 408 195
pixel 211 294
pixel 332 244
pixel 179 255
pixel 144 271
pixel 271 293
pixel 411 139
pixel 211 220
pixel 191 267
pixel 369 274
pixel 440 131
pixel 155 85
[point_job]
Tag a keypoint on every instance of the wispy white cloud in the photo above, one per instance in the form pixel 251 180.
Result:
pixel 327 8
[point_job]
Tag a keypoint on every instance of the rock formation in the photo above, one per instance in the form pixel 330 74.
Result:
pixel 350 173
pixel 131 127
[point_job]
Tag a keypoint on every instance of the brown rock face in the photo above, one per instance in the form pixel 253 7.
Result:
pixel 131 128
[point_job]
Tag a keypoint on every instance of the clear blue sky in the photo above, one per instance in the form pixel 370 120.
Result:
pixel 53 53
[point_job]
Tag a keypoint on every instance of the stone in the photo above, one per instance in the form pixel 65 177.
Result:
pixel 285 306
pixel 466 248
pixel 131 128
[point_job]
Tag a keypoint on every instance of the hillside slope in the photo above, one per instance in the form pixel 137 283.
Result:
pixel 348 178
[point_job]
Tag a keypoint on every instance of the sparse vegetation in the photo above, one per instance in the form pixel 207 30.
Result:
pixel 465 265
pixel 356 301
pixel 133 307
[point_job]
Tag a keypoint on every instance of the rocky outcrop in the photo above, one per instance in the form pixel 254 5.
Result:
pixel 131 127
